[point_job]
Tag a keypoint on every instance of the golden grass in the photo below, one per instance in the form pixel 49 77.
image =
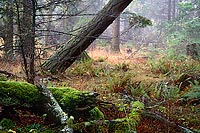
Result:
pixel 137 64
pixel 117 58
pixel 137 67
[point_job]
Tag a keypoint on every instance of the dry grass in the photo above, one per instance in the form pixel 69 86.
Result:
pixel 137 64
pixel 13 67
pixel 116 58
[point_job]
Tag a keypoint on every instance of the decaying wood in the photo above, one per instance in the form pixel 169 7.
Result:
pixel 51 106
pixel 66 55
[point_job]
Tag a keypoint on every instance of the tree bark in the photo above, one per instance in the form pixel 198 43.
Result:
pixel 174 9
pixel 193 50
pixel 9 32
pixel 65 56
pixel 26 29
pixel 169 9
pixel 116 35
pixel 51 106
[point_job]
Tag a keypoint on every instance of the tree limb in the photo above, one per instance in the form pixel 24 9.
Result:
pixel 51 106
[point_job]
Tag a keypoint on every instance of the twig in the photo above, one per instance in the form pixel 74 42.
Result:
pixel 8 74
pixel 166 121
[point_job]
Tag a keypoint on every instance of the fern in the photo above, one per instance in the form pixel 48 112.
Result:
pixel 194 93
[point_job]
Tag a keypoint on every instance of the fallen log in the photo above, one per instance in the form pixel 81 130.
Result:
pixel 54 102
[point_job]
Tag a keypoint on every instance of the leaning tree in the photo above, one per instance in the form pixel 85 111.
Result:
pixel 66 55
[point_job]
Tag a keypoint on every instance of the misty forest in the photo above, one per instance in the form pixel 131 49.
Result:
pixel 100 66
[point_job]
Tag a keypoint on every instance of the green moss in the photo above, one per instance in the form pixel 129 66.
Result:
pixel 22 93
pixel 18 93
pixel 71 100
pixel 126 124
pixel 67 97
pixel 96 114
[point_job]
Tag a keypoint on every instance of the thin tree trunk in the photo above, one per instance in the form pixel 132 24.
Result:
pixel 26 28
pixel 174 9
pixel 26 23
pixel 9 32
pixel 32 52
pixel 169 9
pixel 116 35
pixel 65 56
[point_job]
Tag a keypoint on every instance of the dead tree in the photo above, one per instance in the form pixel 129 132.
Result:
pixel 66 55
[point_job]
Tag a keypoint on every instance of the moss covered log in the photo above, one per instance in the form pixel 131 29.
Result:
pixel 72 101
pixel 18 94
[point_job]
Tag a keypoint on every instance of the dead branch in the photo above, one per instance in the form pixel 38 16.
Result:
pixel 8 74
pixel 166 121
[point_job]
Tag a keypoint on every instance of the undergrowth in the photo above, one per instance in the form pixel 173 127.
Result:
pixel 162 85
pixel 171 66
pixel 86 68
pixel 118 82
pixel 193 96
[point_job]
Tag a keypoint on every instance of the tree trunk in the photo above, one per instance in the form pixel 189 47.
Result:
pixel 193 50
pixel 26 28
pixel 26 23
pixel 65 56
pixel 169 9
pixel 174 9
pixel 8 49
pixel 116 35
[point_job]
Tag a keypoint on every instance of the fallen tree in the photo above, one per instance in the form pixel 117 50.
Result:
pixel 58 103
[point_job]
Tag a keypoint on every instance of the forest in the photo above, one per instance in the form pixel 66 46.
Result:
pixel 99 66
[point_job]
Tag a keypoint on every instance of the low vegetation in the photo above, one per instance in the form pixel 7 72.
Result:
pixel 141 93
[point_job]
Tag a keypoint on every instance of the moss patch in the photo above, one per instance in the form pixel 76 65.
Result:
pixel 18 93
pixel 67 97
pixel 71 99
pixel 22 93
pixel 96 114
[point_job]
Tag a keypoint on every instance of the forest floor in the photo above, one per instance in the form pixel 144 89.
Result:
pixel 169 86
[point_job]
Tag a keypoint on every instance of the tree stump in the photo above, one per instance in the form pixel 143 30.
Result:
pixel 193 50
